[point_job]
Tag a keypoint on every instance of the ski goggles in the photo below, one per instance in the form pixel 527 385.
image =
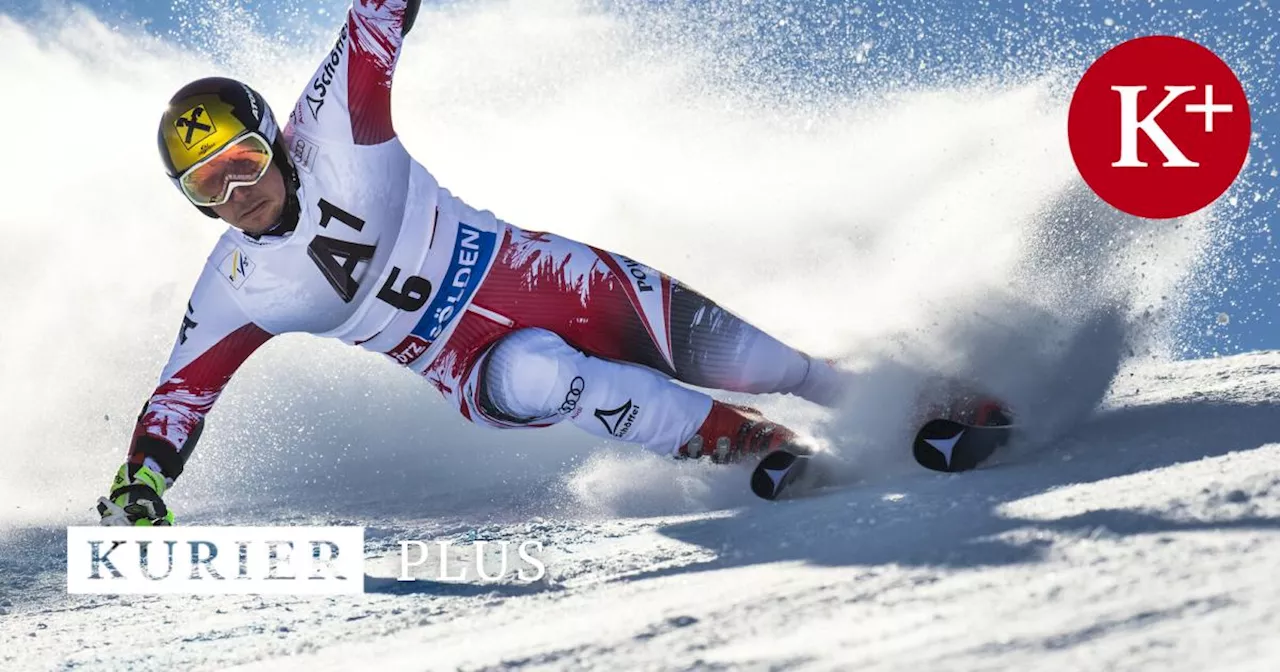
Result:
pixel 241 163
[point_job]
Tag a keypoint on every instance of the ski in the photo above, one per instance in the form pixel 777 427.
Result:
pixel 950 446
pixel 787 472
pixel 940 445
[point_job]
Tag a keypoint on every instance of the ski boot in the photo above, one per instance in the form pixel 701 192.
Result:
pixel 963 403
pixel 985 412
pixel 731 433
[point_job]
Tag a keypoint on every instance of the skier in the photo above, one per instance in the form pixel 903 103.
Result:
pixel 336 230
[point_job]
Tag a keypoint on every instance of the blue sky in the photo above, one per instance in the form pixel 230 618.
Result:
pixel 809 48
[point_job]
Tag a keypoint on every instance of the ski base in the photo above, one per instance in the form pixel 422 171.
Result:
pixel 950 446
pixel 789 472
pixel 776 472
pixel 941 445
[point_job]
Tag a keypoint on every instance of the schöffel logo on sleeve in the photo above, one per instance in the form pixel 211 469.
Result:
pixel 325 76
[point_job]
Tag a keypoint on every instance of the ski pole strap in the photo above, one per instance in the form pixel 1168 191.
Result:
pixel 139 491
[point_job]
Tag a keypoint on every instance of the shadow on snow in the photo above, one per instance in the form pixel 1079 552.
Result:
pixel 954 520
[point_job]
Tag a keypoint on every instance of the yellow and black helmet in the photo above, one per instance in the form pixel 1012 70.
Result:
pixel 207 114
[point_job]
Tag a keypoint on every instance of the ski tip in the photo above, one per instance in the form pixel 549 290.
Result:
pixel 777 470
pixel 950 446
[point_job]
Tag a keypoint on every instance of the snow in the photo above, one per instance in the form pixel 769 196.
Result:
pixel 922 233
pixel 1145 539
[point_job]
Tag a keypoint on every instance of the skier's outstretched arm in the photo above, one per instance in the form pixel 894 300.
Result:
pixel 349 97
pixel 214 339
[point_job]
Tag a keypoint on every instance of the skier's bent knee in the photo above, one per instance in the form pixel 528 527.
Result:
pixel 530 376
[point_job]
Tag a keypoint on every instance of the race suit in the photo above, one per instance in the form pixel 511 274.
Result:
pixel 516 328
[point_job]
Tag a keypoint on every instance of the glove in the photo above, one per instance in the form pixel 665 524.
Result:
pixel 135 500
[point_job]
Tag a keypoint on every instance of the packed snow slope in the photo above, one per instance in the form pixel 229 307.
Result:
pixel 911 232
pixel 1145 538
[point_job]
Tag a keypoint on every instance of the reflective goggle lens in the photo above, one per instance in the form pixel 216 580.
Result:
pixel 241 163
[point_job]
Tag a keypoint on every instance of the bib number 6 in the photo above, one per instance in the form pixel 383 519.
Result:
pixel 411 296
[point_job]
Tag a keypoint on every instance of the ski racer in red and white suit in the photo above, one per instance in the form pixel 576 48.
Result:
pixel 516 328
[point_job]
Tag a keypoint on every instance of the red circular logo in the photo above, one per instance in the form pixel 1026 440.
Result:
pixel 1159 127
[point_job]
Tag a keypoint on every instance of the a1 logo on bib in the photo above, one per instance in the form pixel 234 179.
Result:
pixel 1159 127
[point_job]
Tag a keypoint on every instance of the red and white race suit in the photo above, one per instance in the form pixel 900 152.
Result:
pixel 384 258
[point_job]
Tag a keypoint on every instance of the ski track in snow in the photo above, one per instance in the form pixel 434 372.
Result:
pixel 1146 538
